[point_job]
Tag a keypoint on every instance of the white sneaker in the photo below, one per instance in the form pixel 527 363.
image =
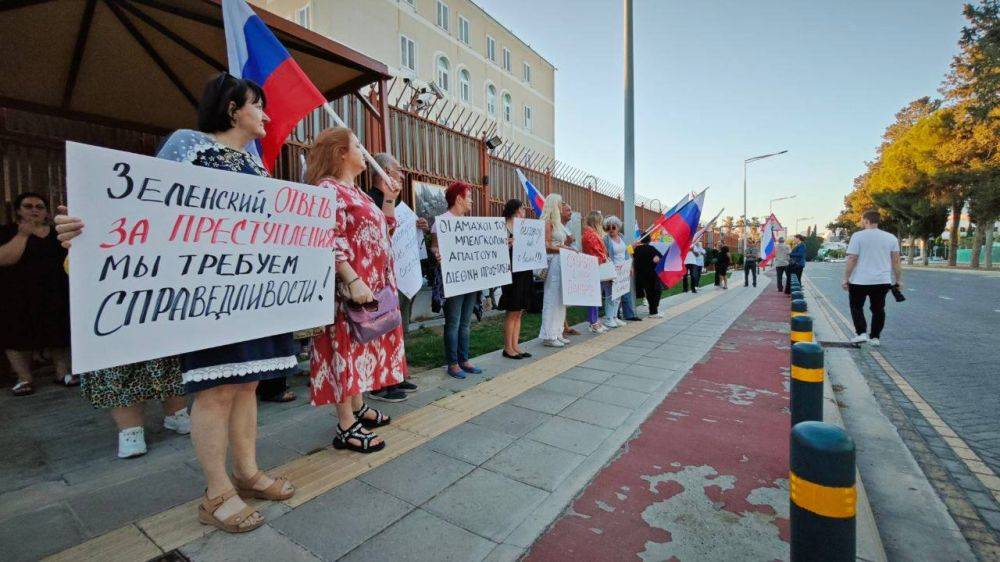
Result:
pixel 620 322
pixel 131 442
pixel 597 328
pixel 610 324
pixel 565 341
pixel 553 343
pixel 657 315
pixel 860 338
pixel 179 422
pixel 874 342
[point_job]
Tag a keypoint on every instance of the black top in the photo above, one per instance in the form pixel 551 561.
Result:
pixel 642 258
pixel 722 261
pixel 34 294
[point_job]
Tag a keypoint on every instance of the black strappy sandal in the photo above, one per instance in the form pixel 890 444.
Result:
pixel 379 421
pixel 342 440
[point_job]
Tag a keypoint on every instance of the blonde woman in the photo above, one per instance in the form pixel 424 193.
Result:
pixel 553 309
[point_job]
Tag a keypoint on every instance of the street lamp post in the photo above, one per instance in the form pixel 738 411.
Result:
pixel 772 201
pixel 748 161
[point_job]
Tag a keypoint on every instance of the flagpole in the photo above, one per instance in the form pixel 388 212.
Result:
pixel 628 197
pixel 371 160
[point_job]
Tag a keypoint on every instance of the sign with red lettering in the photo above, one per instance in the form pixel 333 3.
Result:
pixel 581 282
pixel 176 258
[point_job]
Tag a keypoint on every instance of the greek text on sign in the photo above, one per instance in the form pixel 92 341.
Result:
pixel 473 253
pixel 177 258
pixel 405 251
pixel 581 283
pixel 529 245
pixel 623 279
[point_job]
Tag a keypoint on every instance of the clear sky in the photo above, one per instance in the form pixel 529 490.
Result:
pixel 722 80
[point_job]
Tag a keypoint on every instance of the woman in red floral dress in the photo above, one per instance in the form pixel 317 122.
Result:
pixel 341 368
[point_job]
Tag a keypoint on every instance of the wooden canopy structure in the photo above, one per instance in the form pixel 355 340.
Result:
pixel 141 64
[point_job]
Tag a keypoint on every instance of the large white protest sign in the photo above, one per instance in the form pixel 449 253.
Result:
pixel 623 279
pixel 177 258
pixel 473 253
pixel 406 251
pixel 581 283
pixel 529 245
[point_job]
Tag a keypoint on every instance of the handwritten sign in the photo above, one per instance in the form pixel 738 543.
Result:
pixel 623 279
pixel 581 284
pixel 575 229
pixel 405 251
pixel 177 258
pixel 529 245
pixel 473 253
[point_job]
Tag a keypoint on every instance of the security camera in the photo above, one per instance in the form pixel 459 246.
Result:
pixel 437 91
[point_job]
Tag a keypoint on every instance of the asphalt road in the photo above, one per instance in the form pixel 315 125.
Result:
pixel 945 340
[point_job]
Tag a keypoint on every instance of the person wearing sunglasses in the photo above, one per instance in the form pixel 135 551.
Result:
pixel 617 250
pixel 34 291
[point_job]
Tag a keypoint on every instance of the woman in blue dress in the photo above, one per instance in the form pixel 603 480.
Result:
pixel 224 379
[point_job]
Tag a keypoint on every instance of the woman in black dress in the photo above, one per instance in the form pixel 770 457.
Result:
pixel 516 297
pixel 34 293
pixel 722 264
pixel 224 379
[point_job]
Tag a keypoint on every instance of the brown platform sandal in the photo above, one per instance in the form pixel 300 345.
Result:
pixel 238 522
pixel 275 492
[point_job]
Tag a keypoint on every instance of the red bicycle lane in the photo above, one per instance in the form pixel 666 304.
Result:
pixel 706 475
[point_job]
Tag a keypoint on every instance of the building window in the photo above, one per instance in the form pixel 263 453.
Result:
pixel 491 48
pixel 527 73
pixel 463 30
pixel 491 100
pixel 465 85
pixel 407 55
pixel 442 73
pixel 303 16
pixel 506 108
pixel 506 59
pixel 443 15
pixel 527 118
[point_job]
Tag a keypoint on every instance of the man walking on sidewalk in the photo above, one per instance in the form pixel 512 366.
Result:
pixel 796 262
pixel 872 268
pixel 750 266
pixel 781 253
pixel 693 263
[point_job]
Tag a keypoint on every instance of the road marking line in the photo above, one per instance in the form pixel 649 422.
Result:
pixel 985 475
pixel 944 297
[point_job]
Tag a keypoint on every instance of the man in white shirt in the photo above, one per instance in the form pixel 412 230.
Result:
pixel 693 263
pixel 872 268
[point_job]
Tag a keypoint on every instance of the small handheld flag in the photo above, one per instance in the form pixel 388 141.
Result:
pixel 768 248
pixel 682 226
pixel 531 193
pixel 256 54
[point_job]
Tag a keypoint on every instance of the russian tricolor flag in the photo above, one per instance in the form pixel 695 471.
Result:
pixel 767 242
pixel 682 226
pixel 532 194
pixel 256 54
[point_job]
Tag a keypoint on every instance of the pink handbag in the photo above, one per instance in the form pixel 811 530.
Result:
pixel 375 319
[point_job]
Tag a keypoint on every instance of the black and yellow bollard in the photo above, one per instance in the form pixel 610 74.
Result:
pixel 799 307
pixel 823 494
pixel 807 382
pixel 802 329
pixel 797 294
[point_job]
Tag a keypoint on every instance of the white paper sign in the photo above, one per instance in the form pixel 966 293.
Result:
pixel 405 251
pixel 423 246
pixel 623 279
pixel 474 253
pixel 581 283
pixel 177 258
pixel 529 245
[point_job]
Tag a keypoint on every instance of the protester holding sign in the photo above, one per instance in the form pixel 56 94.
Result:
pixel 618 253
pixel 359 352
pixel 224 413
pixel 516 296
pixel 556 238
pixel 34 293
pixel 593 245
pixel 394 393
pixel 458 308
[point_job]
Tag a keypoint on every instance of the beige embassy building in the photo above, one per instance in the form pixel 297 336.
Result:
pixel 474 60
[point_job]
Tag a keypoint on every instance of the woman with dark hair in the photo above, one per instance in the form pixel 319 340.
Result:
pixel 722 264
pixel 458 308
pixel 34 292
pixel 224 379
pixel 342 368
pixel 516 297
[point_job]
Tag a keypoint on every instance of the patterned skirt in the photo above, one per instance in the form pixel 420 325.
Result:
pixel 124 386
